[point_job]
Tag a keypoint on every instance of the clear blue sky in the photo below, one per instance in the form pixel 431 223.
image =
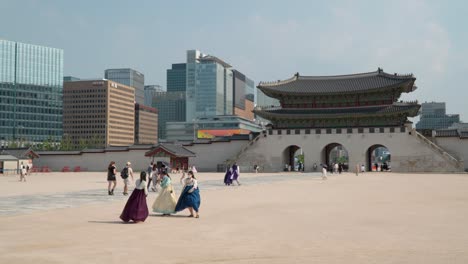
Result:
pixel 266 40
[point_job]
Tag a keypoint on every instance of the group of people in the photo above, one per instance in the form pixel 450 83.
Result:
pixel 232 175
pixel 24 170
pixel 136 208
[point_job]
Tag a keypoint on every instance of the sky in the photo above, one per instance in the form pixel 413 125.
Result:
pixel 266 40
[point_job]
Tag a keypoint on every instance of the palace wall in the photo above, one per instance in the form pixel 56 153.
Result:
pixel 456 146
pixel 409 152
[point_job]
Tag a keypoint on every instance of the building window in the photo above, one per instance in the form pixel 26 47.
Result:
pixel 297 132
pixel 338 130
pixel 349 130
pixel 360 130
pixel 318 131
pixel 270 132
pixel 279 132
pixel 329 131
pixel 288 132
pixel 307 131
pixel 382 130
pixel 392 130
pixel 371 130
pixel 402 129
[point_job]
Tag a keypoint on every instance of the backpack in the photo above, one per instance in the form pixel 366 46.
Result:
pixel 124 173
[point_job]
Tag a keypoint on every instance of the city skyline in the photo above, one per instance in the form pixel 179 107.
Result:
pixel 266 41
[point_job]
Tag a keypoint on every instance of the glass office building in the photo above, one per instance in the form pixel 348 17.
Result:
pixel 433 116
pixel 171 107
pixel 150 92
pixel 129 77
pixel 176 78
pixel 31 91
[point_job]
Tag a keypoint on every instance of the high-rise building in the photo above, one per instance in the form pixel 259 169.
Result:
pixel 146 125
pixel 176 78
pixel 243 95
pixel 433 116
pixel 209 86
pixel 99 112
pixel 150 91
pixel 31 90
pixel 171 107
pixel 70 78
pixel 129 77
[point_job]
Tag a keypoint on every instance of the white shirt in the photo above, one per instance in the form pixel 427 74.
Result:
pixel 141 185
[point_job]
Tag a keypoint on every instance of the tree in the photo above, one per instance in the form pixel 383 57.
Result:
pixel 82 144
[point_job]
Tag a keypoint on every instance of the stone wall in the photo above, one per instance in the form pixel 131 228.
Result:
pixel 456 146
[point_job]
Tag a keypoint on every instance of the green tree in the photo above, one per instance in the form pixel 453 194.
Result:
pixel 82 144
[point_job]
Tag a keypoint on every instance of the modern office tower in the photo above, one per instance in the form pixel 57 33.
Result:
pixel 99 113
pixel 209 86
pixel 146 125
pixel 70 79
pixel 171 107
pixel 150 91
pixel 433 116
pixel 31 89
pixel 176 78
pixel 129 77
pixel 243 95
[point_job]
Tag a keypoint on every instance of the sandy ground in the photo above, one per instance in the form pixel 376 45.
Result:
pixel 372 218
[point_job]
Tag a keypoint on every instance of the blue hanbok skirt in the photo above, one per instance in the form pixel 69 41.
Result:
pixel 187 199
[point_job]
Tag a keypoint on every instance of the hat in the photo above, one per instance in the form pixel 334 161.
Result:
pixel 129 163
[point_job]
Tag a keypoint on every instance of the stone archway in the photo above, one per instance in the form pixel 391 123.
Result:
pixel 335 153
pixel 380 155
pixel 292 156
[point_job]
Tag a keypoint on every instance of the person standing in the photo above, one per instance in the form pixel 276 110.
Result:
pixel 23 172
pixel 358 167
pixel 148 173
pixel 136 209
pixel 340 168
pixel 315 166
pixel 190 196
pixel 154 177
pixel 166 201
pixel 111 172
pixel 127 171
pixel 235 171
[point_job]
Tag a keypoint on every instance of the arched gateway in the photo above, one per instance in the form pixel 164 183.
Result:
pixel 357 111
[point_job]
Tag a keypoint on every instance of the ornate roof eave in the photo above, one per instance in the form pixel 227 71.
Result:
pixel 407 85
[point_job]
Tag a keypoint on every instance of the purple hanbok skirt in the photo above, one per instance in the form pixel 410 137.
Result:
pixel 235 175
pixel 136 208
pixel 227 178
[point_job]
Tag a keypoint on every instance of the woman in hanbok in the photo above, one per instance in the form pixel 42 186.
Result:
pixel 136 208
pixel 235 173
pixel 190 196
pixel 166 201
pixel 227 176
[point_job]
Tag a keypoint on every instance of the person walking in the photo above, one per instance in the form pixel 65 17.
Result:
pixel 227 176
pixel 136 209
pixel 324 171
pixel 166 201
pixel 235 171
pixel 154 177
pixel 190 196
pixel 127 171
pixel 111 172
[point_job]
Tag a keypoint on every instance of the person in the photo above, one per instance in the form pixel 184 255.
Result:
pixel 111 172
pixel 194 169
pixel 256 168
pixel 336 167
pixel 190 196
pixel 363 169
pixel 154 177
pixel 286 166
pixel 324 171
pixel 166 201
pixel 136 208
pixel 23 172
pixel 315 166
pixel 340 168
pixel 227 176
pixel 357 169
pixel 148 173
pixel 127 171
pixel 235 173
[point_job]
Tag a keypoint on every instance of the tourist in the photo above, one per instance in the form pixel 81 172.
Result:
pixel 136 208
pixel 363 169
pixel 335 168
pixel 127 171
pixel 358 167
pixel 23 172
pixel 227 176
pixel 256 168
pixel 111 172
pixel 154 177
pixel 235 173
pixel 315 166
pixel 166 201
pixel 190 196
pixel 324 171
pixel 340 168
pixel 148 173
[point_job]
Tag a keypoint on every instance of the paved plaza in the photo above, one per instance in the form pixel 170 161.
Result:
pixel 270 218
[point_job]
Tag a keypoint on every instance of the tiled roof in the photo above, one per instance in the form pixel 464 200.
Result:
pixel 463 134
pixel 20 153
pixel 174 149
pixel 411 109
pixel 447 133
pixel 7 157
pixel 301 85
